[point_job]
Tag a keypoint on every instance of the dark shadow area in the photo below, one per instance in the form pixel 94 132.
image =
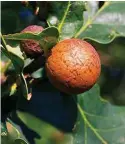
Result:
pixel 101 3
pixel 111 80
pixel 111 85
pixel 8 103
pixel 19 16
pixel 51 106
pixel 35 65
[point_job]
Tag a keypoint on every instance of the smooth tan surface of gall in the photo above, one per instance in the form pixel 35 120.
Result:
pixel 73 66
pixel 32 47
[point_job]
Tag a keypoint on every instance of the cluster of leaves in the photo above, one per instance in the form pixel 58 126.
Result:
pixel 98 121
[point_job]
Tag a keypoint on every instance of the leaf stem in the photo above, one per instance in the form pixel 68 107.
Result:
pixel 64 17
pixel 25 93
pixel 5 46
pixel 85 128
pixel 48 23
pixel 92 19
pixel 89 125
pixel 4 43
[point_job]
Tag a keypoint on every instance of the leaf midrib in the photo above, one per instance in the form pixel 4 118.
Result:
pixel 64 17
pixel 90 126
pixel 89 22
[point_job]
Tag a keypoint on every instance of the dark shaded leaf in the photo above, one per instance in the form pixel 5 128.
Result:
pixel 48 110
pixel 9 17
pixel 111 54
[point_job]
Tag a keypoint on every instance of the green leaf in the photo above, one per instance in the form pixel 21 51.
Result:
pixel 9 19
pixel 67 16
pixel 47 133
pixel 91 9
pixel 15 55
pixel 46 33
pixel 99 121
pixel 14 135
pixel 13 132
pixel 18 61
pixel 20 141
pixel 27 62
pixel 3 129
pixel 47 38
pixel 39 73
pixel 107 24
pixel 57 10
pixel 22 36
pixel 13 89
pixel 4 51
pixel 4 134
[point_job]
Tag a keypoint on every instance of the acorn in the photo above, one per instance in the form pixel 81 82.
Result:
pixel 73 66
pixel 32 48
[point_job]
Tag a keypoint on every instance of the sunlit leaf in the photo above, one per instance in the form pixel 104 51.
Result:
pixel 107 24
pixel 67 16
pixel 13 132
pixel 99 121
pixel 46 33
pixel 15 55
pixel 39 73
pixel 47 133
